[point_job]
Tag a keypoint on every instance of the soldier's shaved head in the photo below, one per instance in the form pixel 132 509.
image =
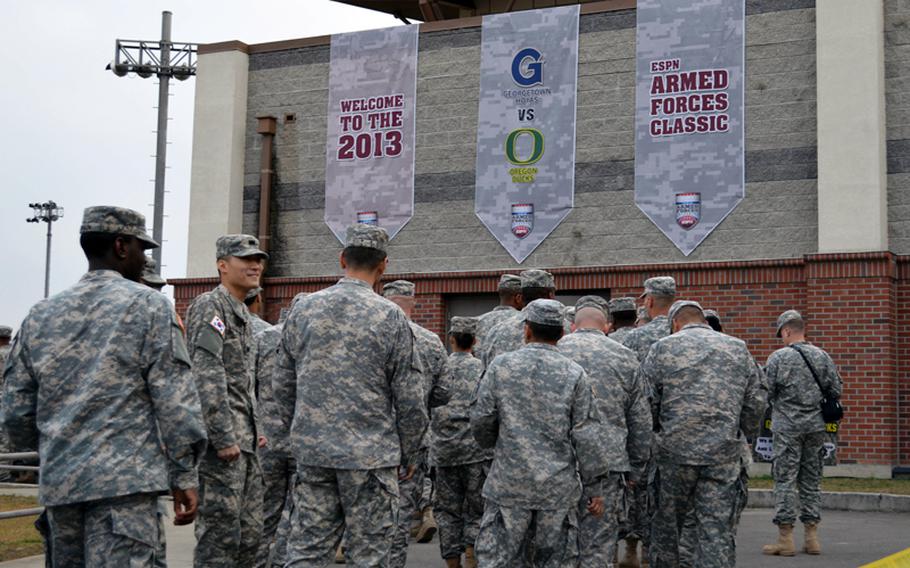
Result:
pixel 590 318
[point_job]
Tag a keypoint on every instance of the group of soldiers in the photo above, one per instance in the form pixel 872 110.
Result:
pixel 547 437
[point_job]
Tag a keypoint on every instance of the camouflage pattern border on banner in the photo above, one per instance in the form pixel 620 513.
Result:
pixel 369 171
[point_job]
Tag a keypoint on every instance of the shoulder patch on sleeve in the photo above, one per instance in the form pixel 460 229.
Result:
pixel 218 325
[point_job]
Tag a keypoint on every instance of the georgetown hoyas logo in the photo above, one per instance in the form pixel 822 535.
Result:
pixel 522 219
pixel 688 209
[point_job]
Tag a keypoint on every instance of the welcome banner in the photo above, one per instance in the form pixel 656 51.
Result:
pixel 525 173
pixel 369 170
pixel 689 126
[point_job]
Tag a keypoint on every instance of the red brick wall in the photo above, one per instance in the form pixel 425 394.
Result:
pixel 857 307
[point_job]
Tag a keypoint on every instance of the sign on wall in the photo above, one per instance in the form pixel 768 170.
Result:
pixel 525 173
pixel 369 170
pixel 689 126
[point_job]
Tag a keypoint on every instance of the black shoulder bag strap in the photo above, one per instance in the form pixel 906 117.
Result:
pixel 832 411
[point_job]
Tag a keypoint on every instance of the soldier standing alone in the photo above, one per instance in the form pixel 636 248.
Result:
pixel 221 344
pixel 799 431
pixel 349 383
pixel 99 381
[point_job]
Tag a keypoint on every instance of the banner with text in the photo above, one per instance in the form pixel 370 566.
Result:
pixel 689 126
pixel 525 176
pixel 369 169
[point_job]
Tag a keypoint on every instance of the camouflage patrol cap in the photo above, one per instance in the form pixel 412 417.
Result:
pixel 625 304
pixel 534 278
pixel 789 316
pixel 569 314
pixel 591 302
pixel 509 283
pixel 460 324
pixel 713 315
pixel 367 236
pixel 252 294
pixel 150 273
pixel 544 312
pixel 663 286
pixel 5 332
pixel 679 305
pixel 643 314
pixel 111 220
pixel 241 246
pixel 398 288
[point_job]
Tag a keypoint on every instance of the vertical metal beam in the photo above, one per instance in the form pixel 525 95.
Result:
pixel 161 144
pixel 47 260
pixel 266 128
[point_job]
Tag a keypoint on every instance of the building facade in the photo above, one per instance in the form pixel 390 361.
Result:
pixel 824 227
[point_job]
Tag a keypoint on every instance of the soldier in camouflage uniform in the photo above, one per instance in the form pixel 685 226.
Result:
pixel 622 317
pixel 799 431
pixel 349 382
pixel 253 302
pixel 708 397
pixel 415 495
pixel 713 319
pixel 536 407
pixel 626 416
pixel 659 293
pixel 461 464
pixel 508 335
pixel 221 344
pixel 278 468
pixel 510 302
pixel 6 334
pixel 99 381
pixel 643 316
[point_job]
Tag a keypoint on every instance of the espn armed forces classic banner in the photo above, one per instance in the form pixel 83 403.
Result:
pixel 525 176
pixel 689 126
pixel 369 169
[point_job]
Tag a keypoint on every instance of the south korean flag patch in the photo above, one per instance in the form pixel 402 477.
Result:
pixel 218 325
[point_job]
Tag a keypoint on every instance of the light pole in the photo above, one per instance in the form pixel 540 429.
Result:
pixel 46 212
pixel 165 59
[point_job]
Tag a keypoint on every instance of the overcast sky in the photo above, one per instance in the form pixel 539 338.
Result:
pixel 77 134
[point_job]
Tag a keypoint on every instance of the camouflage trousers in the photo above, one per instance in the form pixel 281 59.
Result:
pixel 361 505
pixel 637 523
pixel 797 472
pixel 277 475
pixel 229 523
pixel 458 505
pixel 598 536
pixel 161 554
pixel 509 535
pixel 116 532
pixel 716 493
pixel 415 495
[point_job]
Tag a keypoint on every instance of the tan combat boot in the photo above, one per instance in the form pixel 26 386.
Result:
pixel 453 562
pixel 784 545
pixel 630 560
pixel 428 526
pixel 470 559
pixel 812 544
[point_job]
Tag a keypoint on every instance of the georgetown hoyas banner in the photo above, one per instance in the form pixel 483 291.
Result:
pixel 689 127
pixel 525 178
pixel 369 170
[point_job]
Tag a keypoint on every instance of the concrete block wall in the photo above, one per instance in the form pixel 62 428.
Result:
pixel 776 220
pixel 897 111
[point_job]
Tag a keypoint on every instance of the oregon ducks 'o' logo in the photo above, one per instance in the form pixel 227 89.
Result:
pixel 512 141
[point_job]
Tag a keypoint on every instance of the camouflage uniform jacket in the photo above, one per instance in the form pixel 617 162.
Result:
pixel 487 321
pixel 535 406
pixel 99 382
pixel 433 360
pixel 4 353
pixel 452 440
pixel 507 336
pixel 642 338
pixel 349 381
pixel 273 429
pixel 621 334
pixel 221 344
pixel 259 324
pixel 793 393
pixel 708 394
pixel 621 403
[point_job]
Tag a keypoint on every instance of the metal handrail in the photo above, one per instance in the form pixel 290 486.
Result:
pixel 18 456
pixel 21 513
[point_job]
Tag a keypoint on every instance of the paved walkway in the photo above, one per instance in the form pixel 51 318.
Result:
pixel 849 540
